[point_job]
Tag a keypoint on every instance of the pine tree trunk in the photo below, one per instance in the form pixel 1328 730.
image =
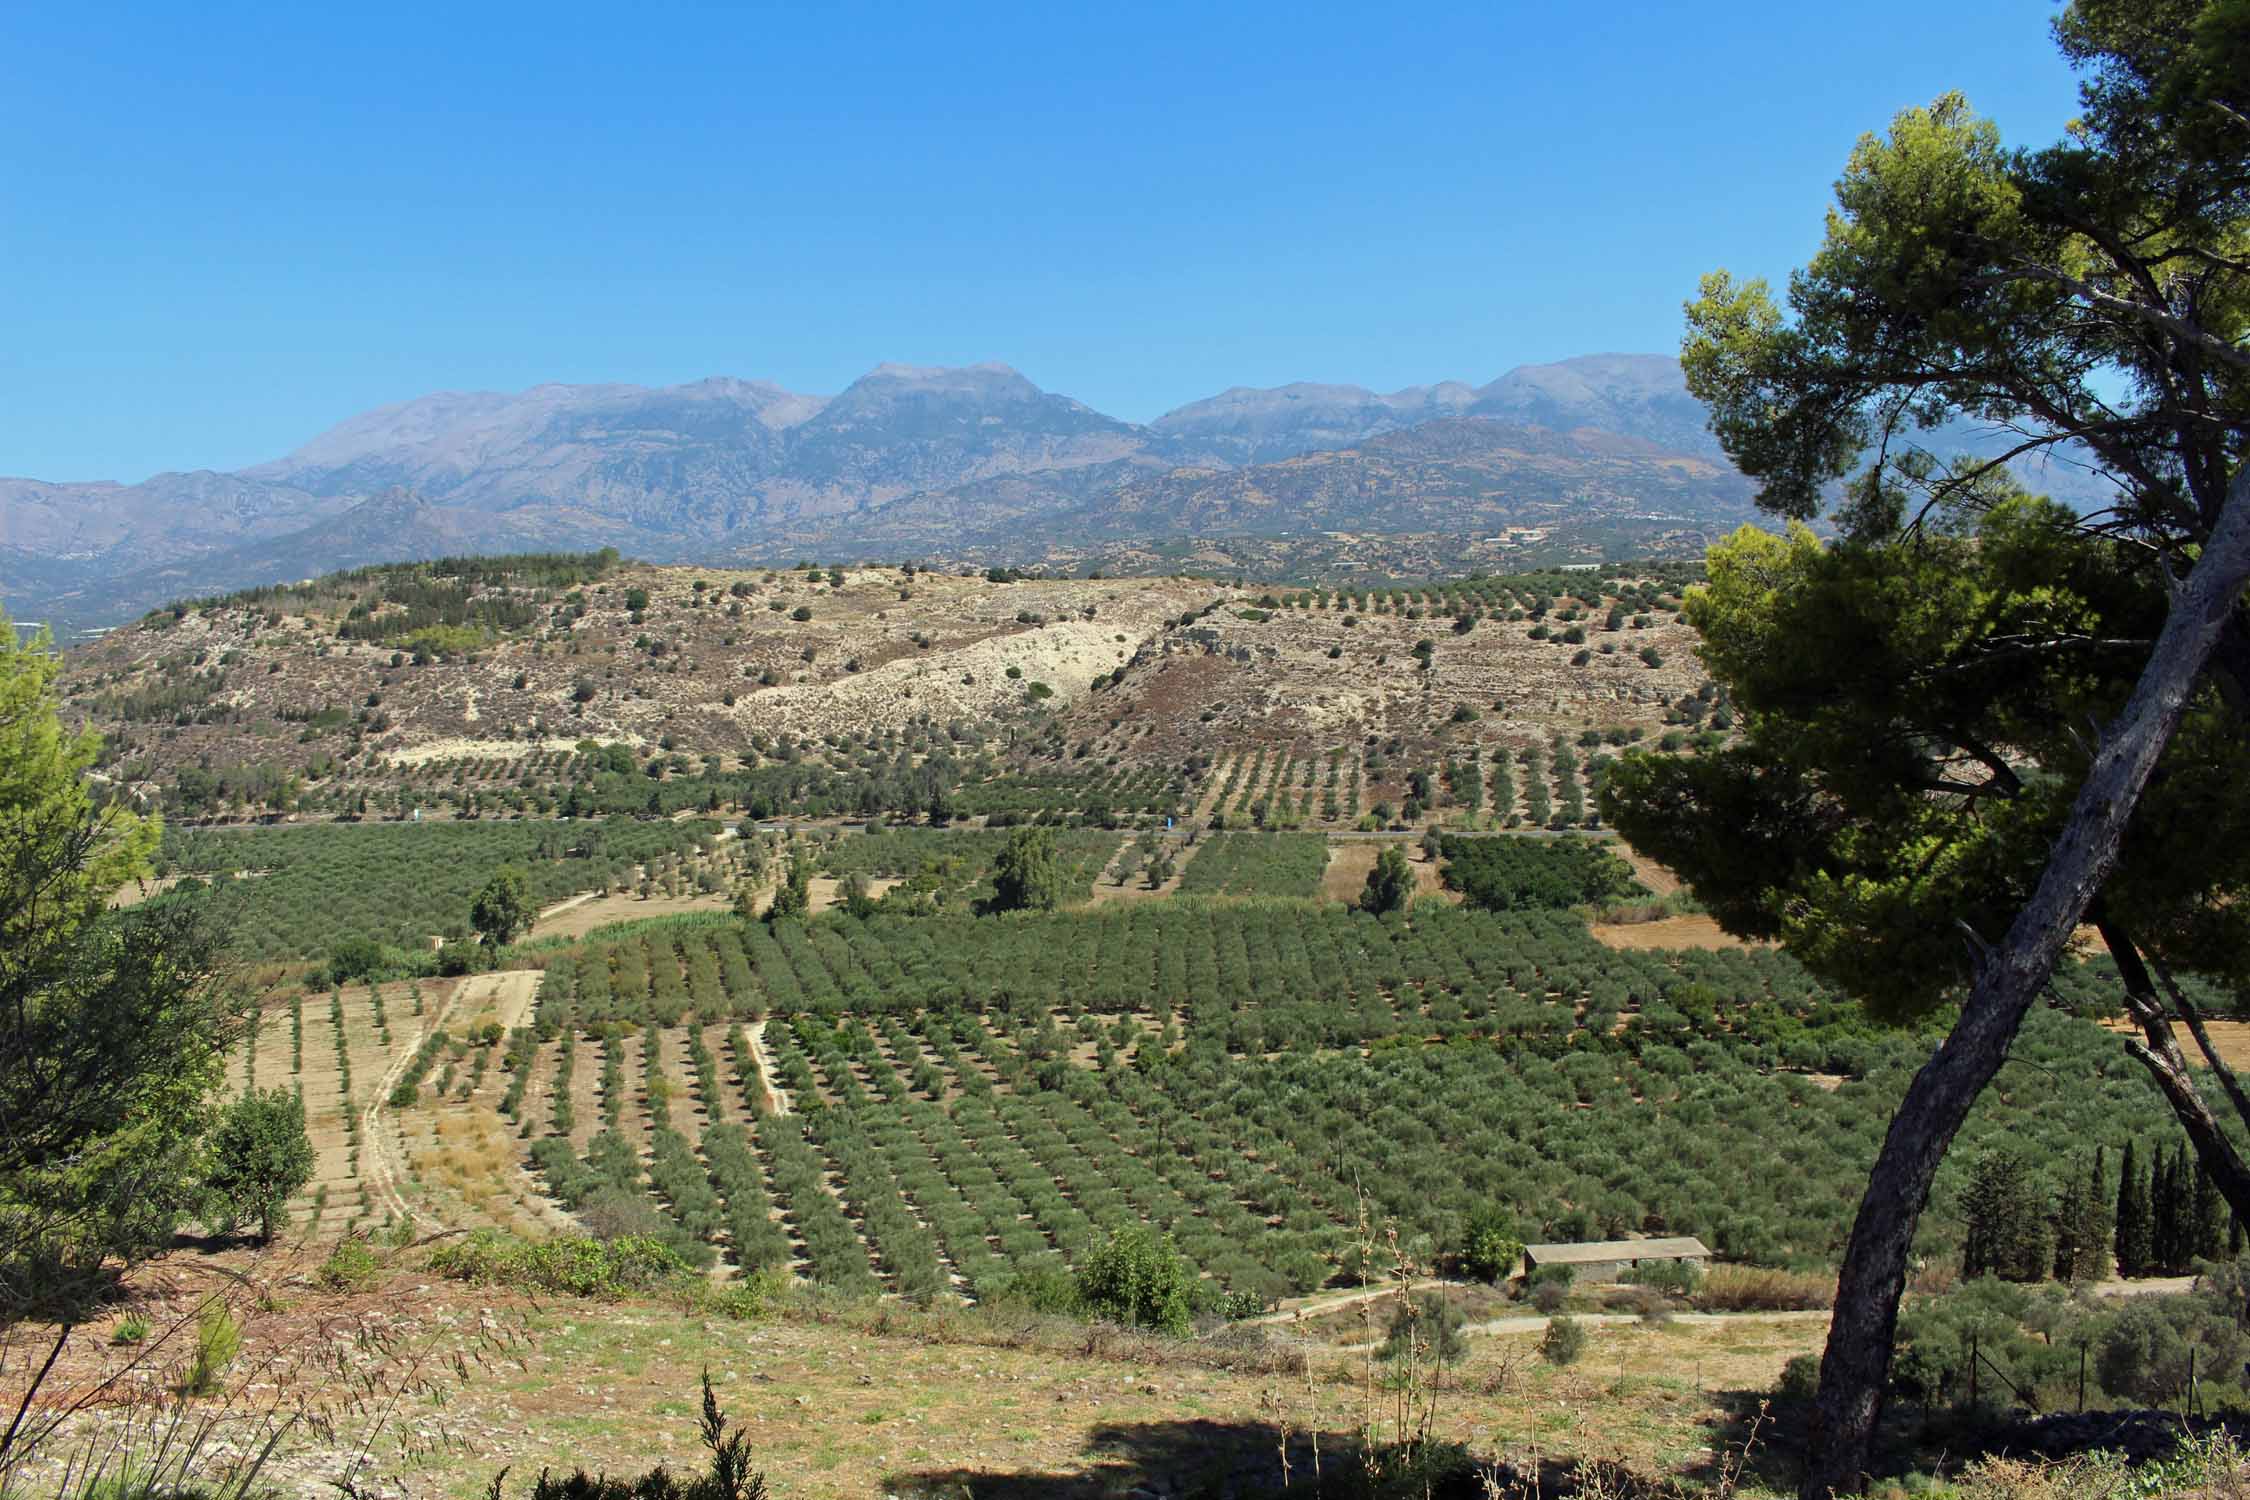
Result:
pixel 1856 1367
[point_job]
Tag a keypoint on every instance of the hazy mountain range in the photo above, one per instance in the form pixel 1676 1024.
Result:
pixel 902 460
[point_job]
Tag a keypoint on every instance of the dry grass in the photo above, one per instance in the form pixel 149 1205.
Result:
pixel 582 918
pixel 471 1157
pixel 1671 932
pixel 1349 861
pixel 1755 1289
pixel 859 1400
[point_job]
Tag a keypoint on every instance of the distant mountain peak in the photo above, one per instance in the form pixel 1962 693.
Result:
pixel 889 370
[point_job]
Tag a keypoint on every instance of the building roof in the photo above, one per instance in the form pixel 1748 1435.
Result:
pixel 1589 1251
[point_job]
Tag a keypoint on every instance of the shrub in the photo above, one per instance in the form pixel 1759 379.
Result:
pixel 1800 1379
pixel 1489 1249
pixel 1673 1278
pixel 355 958
pixel 1140 1280
pixel 1563 1342
pixel 1426 1327
pixel 130 1329
pixel 574 1265
pixel 1043 1289
pixel 349 1268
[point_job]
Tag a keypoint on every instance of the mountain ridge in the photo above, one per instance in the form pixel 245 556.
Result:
pixel 904 456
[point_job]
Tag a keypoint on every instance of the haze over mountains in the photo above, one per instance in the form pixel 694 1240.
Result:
pixel 903 459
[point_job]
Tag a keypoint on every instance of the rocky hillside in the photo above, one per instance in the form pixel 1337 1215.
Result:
pixel 364 680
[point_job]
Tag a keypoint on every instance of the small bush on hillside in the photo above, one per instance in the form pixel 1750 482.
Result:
pixel 349 1267
pixel 1141 1280
pixel 573 1265
pixel 1426 1328
pixel 1563 1342
pixel 1673 1278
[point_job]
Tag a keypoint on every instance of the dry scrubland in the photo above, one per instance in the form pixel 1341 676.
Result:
pixel 844 1403
pixel 1088 672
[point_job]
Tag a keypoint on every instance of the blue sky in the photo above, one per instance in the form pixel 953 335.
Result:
pixel 224 228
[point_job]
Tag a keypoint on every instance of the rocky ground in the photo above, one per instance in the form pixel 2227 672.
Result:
pixel 700 661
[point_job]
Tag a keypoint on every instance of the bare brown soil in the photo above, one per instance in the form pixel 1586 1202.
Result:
pixel 1694 931
pixel 576 919
pixel 2230 1039
pixel 1349 862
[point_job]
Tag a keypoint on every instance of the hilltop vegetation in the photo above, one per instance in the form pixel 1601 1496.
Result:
pixel 582 685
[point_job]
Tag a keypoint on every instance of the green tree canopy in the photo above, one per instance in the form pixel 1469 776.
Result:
pixel 1390 885
pixel 503 910
pixel 260 1156
pixel 1028 874
pixel 112 1024
pixel 2029 711
pixel 793 897
pixel 1139 1279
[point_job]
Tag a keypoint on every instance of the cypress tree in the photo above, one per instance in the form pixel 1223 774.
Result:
pixel 2210 1222
pixel 2093 1235
pixel 2007 1219
pixel 2070 1213
pixel 2163 1214
pixel 2132 1218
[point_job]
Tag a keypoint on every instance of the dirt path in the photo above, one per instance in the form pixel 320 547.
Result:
pixel 564 905
pixel 1206 801
pixel 1313 1307
pixel 512 994
pixel 775 1094
pixel 509 995
pixel 2147 1286
pixel 386 1151
pixel 1537 1323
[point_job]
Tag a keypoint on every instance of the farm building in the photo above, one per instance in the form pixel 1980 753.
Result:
pixel 1606 1260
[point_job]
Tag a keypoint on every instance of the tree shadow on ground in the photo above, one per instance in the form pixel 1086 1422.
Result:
pixel 1939 1441
pixel 1202 1459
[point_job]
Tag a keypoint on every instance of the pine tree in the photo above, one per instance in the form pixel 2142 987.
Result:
pixel 2132 1239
